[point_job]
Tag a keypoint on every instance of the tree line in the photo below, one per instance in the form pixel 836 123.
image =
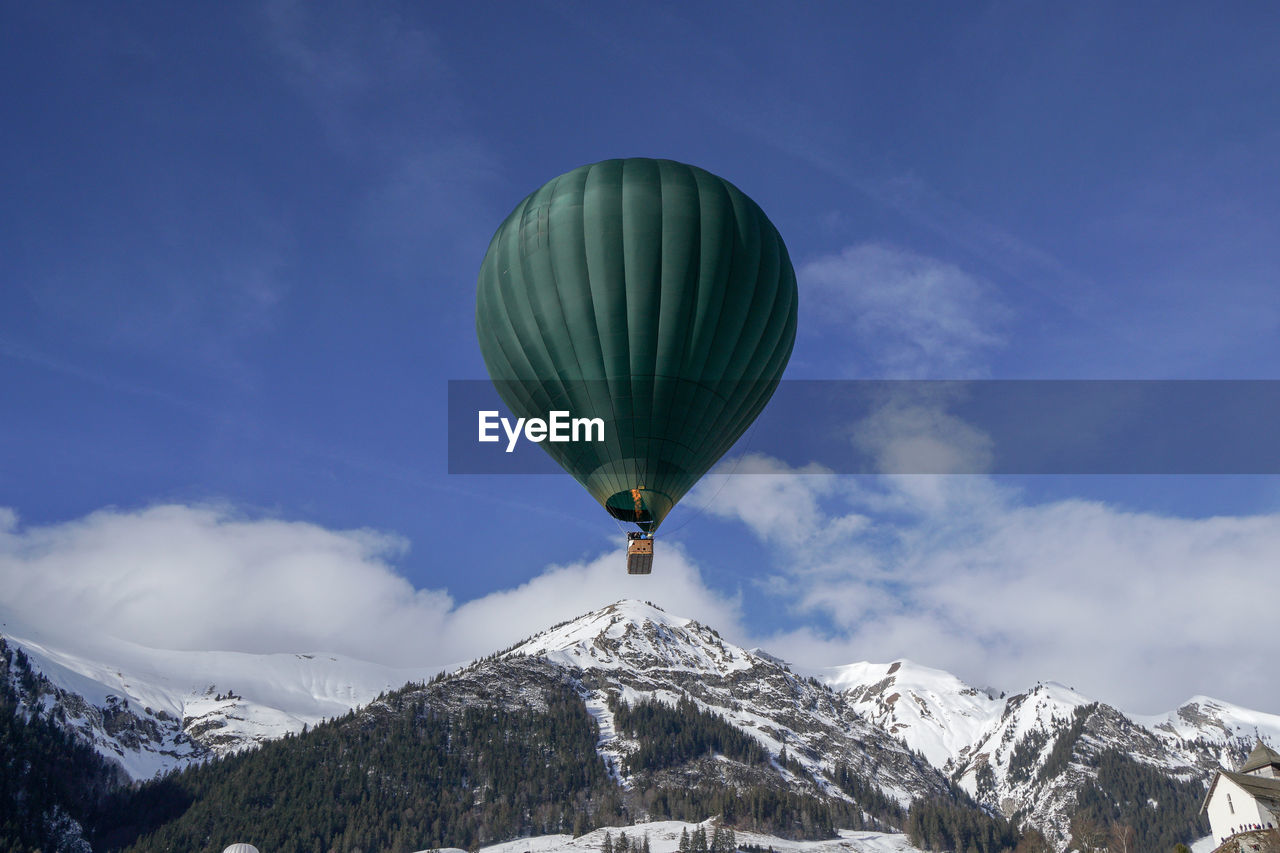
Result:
pixel 52 784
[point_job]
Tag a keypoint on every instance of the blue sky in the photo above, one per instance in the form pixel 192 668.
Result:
pixel 239 246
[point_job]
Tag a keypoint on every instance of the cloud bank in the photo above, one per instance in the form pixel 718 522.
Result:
pixel 1137 609
pixel 207 578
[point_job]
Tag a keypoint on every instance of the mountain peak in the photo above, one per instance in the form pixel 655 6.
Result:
pixel 637 635
pixel 638 611
pixel 934 711
pixel 900 672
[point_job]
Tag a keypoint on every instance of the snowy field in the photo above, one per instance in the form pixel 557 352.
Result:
pixel 664 837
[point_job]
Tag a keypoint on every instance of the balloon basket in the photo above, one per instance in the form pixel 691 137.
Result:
pixel 639 553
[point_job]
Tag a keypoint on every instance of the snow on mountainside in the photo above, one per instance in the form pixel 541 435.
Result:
pixel 1002 750
pixel 640 637
pixel 1204 718
pixel 151 710
pixel 639 652
pixel 949 721
pixel 931 710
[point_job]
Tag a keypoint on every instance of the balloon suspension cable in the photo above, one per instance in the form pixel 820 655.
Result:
pixel 619 523
pixel 751 434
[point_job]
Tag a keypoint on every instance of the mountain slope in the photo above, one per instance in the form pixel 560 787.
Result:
pixel 154 710
pixel 493 752
pixel 626 714
pixel 1033 754
pixel 679 720
pixel 933 711
pixel 51 782
pixel 638 652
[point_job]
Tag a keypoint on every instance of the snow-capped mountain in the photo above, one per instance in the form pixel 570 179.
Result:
pixel 933 711
pixel 152 710
pixel 639 652
pixel 1212 720
pixel 910 731
pixel 1032 752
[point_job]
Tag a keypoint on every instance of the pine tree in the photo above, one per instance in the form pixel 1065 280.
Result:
pixel 607 847
pixel 684 840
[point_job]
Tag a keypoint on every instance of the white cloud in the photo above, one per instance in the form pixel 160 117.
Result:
pixel 779 503
pixel 564 592
pixel 905 315
pixel 910 431
pixel 1137 609
pixel 182 577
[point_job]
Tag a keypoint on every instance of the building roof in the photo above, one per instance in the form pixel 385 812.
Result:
pixel 1261 756
pixel 1262 789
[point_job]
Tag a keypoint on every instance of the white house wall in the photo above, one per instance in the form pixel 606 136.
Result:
pixel 1222 820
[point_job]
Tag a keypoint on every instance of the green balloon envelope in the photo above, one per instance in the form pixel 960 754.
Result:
pixel 647 293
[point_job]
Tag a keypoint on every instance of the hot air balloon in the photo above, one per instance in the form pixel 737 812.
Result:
pixel 652 295
pixel 241 847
